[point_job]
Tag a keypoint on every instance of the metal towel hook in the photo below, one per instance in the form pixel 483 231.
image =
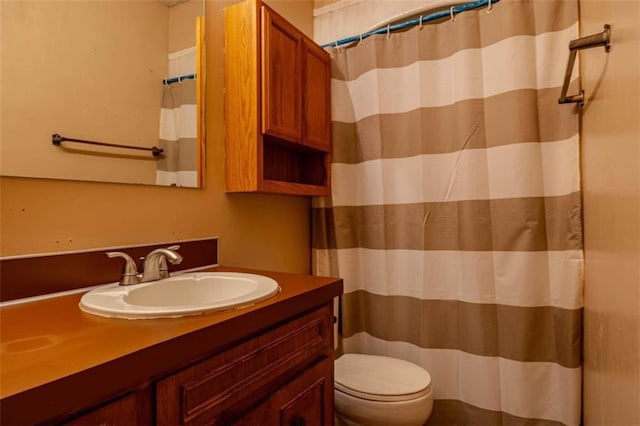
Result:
pixel 594 40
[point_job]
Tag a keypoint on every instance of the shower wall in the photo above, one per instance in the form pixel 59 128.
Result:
pixel 611 189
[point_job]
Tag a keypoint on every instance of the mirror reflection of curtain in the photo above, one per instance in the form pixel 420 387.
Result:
pixel 177 167
pixel 178 128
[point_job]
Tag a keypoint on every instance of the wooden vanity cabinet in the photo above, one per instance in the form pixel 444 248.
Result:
pixel 277 105
pixel 267 364
pixel 281 377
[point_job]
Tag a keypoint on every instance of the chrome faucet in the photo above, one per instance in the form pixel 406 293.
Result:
pixel 155 264
pixel 154 267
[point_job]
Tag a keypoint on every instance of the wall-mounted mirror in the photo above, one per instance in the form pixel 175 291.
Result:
pixel 119 72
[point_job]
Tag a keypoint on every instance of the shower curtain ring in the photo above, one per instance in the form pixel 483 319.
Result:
pixel 360 39
pixel 453 16
pixel 389 31
pixel 489 7
pixel 420 27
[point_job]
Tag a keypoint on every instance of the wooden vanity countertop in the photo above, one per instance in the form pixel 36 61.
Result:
pixel 50 347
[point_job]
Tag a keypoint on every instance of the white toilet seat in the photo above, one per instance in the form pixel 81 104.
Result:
pixel 380 378
pixel 380 391
pixel 382 398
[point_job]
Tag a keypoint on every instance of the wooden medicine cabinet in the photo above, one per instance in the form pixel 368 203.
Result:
pixel 277 105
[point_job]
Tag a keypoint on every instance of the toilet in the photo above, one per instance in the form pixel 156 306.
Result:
pixel 376 390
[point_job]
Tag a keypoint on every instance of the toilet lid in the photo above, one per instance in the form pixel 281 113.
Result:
pixel 380 378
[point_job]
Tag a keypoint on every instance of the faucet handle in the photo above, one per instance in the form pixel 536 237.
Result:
pixel 130 271
pixel 174 248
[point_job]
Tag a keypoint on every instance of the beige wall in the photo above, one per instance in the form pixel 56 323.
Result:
pixel 260 231
pixel 299 12
pixel 322 3
pixel 61 74
pixel 611 184
pixel 182 24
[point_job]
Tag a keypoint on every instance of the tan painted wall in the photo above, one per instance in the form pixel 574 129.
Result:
pixel 611 184
pixel 259 231
pixel 322 3
pixel 60 74
pixel 182 24
pixel 299 12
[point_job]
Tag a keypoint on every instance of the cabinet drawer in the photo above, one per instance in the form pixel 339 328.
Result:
pixel 246 373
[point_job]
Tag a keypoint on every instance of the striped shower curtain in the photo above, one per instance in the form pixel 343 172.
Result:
pixel 178 135
pixel 455 214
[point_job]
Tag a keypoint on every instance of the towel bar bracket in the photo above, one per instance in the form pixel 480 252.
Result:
pixel 594 40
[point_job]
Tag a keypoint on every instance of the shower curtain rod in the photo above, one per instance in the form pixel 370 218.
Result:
pixel 452 11
pixel 179 79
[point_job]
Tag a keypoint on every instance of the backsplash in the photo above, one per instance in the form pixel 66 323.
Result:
pixel 40 274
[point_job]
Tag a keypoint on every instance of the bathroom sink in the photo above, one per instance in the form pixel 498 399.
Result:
pixel 181 295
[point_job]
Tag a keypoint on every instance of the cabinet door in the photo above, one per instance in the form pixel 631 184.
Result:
pixel 305 401
pixel 316 108
pixel 308 400
pixel 281 78
pixel 133 409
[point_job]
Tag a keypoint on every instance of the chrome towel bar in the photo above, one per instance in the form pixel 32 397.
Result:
pixel 594 40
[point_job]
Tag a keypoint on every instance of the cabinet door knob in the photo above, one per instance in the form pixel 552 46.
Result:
pixel 297 421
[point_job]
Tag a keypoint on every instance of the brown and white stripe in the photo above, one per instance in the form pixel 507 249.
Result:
pixel 178 135
pixel 455 216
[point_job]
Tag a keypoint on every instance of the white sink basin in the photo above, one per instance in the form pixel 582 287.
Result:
pixel 188 294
